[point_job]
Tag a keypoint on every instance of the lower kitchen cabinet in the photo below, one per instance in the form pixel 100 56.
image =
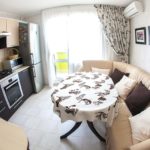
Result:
pixel 4 110
pixel 26 83
pixel 27 89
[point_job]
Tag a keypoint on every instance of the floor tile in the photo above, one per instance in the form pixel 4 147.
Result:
pixel 43 127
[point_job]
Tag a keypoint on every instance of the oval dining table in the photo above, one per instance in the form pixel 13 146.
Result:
pixel 85 96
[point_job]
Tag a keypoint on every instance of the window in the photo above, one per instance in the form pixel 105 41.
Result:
pixel 75 30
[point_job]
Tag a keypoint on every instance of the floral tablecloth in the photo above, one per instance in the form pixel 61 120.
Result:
pixel 85 96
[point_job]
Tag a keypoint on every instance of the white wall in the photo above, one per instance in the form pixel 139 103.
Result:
pixel 9 15
pixel 34 19
pixel 139 53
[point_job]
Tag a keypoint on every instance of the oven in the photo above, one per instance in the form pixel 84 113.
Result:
pixel 12 90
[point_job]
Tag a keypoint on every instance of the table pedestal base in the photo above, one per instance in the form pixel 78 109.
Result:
pixel 91 126
pixel 72 130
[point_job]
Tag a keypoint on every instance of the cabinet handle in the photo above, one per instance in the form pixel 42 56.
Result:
pixel 2 109
pixel 14 82
pixel 34 73
pixel 32 59
pixel 17 104
pixel 24 70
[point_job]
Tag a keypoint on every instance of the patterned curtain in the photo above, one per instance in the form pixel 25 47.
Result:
pixel 117 29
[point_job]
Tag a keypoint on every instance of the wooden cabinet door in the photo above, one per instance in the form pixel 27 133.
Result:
pixel 2 25
pixel 13 28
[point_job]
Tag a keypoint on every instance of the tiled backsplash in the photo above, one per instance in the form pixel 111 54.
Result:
pixel 3 56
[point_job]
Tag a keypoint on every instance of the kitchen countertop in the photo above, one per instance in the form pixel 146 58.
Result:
pixel 15 72
pixel 21 69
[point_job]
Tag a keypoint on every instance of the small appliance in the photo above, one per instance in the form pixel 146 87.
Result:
pixel 12 64
pixel 12 90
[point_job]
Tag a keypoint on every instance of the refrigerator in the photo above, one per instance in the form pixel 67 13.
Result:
pixel 29 48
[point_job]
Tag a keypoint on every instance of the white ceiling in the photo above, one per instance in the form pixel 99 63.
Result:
pixel 31 7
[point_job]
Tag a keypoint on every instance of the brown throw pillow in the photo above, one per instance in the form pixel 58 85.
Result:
pixel 138 99
pixel 117 75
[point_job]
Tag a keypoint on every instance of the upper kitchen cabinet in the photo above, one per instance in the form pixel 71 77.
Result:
pixel 13 28
pixel 3 25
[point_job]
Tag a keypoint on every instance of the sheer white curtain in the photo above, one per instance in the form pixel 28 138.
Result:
pixel 85 35
pixel 55 38
pixel 75 29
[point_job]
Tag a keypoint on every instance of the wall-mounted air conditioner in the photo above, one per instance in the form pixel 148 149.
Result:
pixel 133 9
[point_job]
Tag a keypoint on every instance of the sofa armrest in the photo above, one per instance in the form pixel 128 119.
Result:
pixel 81 69
pixel 145 145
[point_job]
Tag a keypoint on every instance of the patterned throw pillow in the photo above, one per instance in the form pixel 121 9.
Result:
pixel 138 99
pixel 117 75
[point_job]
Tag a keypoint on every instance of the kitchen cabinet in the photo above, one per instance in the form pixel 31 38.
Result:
pixel 13 28
pixel 27 89
pixel 4 110
pixel 26 84
pixel 3 25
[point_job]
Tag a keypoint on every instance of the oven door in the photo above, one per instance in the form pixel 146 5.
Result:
pixel 13 93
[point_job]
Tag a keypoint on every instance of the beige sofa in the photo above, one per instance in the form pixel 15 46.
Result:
pixel 119 135
pixel 12 137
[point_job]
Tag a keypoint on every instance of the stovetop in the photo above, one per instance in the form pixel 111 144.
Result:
pixel 5 73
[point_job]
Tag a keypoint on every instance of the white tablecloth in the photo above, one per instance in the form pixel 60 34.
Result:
pixel 86 96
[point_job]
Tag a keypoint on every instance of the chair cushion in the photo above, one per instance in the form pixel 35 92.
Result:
pixel 117 75
pixel 138 99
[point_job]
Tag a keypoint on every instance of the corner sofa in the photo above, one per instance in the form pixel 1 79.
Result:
pixel 119 135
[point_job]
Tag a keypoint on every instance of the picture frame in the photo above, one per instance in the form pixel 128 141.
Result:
pixel 140 35
pixel 149 35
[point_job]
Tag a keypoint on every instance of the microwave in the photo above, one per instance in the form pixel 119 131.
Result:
pixel 12 64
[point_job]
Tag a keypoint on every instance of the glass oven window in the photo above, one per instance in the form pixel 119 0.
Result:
pixel 13 93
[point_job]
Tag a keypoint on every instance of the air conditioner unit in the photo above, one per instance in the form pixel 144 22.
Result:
pixel 133 9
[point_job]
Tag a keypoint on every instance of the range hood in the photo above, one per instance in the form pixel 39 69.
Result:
pixel 4 34
pixel 3 39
